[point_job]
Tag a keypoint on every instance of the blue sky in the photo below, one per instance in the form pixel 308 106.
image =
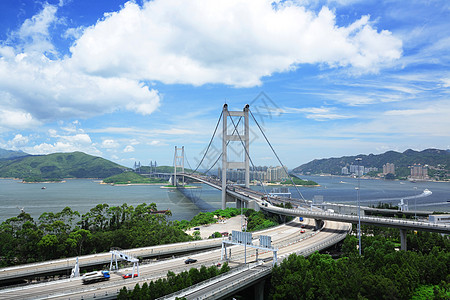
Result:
pixel 129 80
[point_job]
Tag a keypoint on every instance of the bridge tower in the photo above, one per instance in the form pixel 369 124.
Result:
pixel 234 136
pixel 178 161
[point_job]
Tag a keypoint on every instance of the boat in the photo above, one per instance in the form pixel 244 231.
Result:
pixel 43 188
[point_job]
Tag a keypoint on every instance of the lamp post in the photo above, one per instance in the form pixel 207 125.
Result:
pixel 358 160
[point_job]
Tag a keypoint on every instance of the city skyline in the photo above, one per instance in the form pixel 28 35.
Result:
pixel 129 80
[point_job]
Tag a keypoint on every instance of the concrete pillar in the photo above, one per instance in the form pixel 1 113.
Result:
pixel 238 203
pixel 259 290
pixel 224 156
pixel 403 239
pixel 175 168
pixel 318 224
pixel 247 147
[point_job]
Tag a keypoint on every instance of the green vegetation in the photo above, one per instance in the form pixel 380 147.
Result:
pixel 204 218
pixel 381 272
pixel 255 220
pixel 299 181
pixel 35 179
pixel 438 159
pixel 132 178
pixel 173 282
pixel 58 166
pixel 67 234
pixel 164 169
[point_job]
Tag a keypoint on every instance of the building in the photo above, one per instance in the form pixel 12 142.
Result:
pixel 344 171
pixel 357 170
pixel 439 219
pixel 388 168
pixel 419 172
pixel 266 174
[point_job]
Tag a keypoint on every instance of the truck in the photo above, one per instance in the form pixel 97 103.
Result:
pixel 95 276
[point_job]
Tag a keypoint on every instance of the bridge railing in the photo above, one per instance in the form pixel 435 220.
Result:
pixel 364 219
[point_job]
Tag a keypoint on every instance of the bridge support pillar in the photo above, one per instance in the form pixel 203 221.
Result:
pixel 237 137
pixel 259 290
pixel 318 224
pixel 239 204
pixel 403 239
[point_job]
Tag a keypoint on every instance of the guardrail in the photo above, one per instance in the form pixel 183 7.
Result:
pixel 225 289
pixel 406 224
pixel 101 258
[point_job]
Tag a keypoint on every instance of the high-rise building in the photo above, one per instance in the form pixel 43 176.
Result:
pixel 257 173
pixel 388 168
pixel 419 172
pixel 344 171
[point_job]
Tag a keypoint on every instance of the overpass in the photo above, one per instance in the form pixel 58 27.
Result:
pixel 25 271
pixel 254 199
pixel 287 238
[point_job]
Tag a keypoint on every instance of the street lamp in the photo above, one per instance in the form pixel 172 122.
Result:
pixel 358 160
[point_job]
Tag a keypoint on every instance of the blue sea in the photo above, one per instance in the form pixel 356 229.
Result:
pixel 83 194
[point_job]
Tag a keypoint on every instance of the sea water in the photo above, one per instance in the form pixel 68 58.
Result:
pixel 83 194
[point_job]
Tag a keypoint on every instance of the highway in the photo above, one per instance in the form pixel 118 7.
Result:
pixel 229 283
pixel 22 271
pixel 248 195
pixel 287 238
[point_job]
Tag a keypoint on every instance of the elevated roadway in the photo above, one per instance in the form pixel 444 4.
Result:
pixel 248 195
pixel 287 238
pixel 53 266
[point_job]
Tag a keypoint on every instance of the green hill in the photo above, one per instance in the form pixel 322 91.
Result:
pixel 165 169
pixel 131 177
pixel 436 159
pixel 58 166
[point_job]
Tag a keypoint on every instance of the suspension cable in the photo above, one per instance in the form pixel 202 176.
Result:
pixel 246 152
pixel 209 145
pixel 279 160
pixel 240 118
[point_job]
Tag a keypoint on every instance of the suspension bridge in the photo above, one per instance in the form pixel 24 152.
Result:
pixel 244 196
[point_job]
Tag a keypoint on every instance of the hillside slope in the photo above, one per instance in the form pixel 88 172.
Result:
pixel 59 165
pixel 431 157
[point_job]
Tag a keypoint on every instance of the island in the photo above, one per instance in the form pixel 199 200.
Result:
pixel 128 178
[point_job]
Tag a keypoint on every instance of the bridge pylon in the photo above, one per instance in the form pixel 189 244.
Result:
pixel 234 136
pixel 178 161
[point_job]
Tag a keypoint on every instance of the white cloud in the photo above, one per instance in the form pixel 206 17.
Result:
pixel 61 146
pixel 54 90
pixel 34 34
pixel 16 119
pixel 17 142
pixel 81 138
pixel 226 41
pixel 110 144
pixel 318 113
pixel 128 149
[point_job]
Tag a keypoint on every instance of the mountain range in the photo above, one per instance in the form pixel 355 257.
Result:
pixel 57 166
pixel 433 157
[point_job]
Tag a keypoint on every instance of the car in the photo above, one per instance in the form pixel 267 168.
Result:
pixel 129 275
pixel 190 261
pixel 197 228
pixel 303 226
pixel 302 231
